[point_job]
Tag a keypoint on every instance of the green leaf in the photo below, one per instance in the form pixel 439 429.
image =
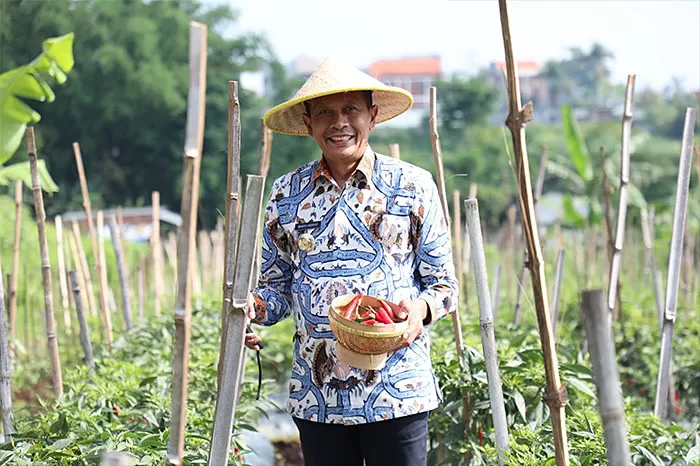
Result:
pixel 693 455
pixel 520 403
pixel 649 455
pixel 27 82
pixel 571 215
pixel 22 171
pixel 580 386
pixel 576 144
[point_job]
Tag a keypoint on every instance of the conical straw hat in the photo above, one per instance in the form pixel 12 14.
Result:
pixel 331 77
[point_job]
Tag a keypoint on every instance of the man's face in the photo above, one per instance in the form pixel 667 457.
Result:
pixel 340 124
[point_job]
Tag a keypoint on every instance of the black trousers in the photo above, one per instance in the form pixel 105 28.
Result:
pixel 396 442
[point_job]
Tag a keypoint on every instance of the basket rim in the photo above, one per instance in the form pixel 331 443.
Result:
pixel 385 331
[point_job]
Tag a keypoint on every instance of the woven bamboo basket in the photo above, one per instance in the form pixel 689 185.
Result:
pixel 361 338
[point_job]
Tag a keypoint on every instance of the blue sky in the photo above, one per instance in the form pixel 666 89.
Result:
pixel 655 39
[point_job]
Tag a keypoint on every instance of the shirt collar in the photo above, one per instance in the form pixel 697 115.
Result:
pixel 366 167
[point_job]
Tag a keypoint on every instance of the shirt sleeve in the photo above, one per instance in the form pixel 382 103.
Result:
pixel 272 295
pixel 434 265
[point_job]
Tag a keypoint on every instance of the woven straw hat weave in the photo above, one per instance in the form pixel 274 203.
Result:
pixel 331 77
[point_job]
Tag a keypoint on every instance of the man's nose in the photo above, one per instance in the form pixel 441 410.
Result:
pixel 340 121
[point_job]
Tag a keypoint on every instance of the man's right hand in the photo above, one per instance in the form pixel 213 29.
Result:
pixel 251 339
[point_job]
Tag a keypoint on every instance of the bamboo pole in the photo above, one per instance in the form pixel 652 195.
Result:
pixel 192 163
pixel 157 253
pixel 12 305
pixel 84 331
pixel 121 271
pixel 522 278
pixel 122 232
pixel 440 176
pixel 395 151
pixel 102 277
pixel 5 368
pixel 141 285
pixel 651 261
pixel 232 200
pixel 62 267
pixel 614 274
pixel 473 188
pixel 170 247
pixel 88 213
pixel 674 262
pixel 556 397
pixel 51 340
pixel 496 290
pixel 77 265
pixel 235 301
pixel 265 149
pixel 602 350
pixel 556 293
pixel 488 339
pixel 205 256
pixel 85 268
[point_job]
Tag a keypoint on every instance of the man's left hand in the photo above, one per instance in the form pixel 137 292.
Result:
pixel 415 312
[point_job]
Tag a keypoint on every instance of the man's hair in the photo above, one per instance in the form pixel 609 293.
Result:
pixel 367 95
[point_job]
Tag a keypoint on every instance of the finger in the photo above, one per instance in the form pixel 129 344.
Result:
pixel 252 340
pixel 403 310
pixel 251 307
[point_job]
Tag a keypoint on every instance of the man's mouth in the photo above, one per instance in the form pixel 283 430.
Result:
pixel 340 138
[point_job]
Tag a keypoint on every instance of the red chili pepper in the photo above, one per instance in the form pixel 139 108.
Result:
pixel 388 309
pixel 352 306
pixel 383 317
pixel 481 437
pixel 115 410
pixel 370 322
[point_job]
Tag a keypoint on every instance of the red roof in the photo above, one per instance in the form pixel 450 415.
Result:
pixel 406 66
pixel 522 66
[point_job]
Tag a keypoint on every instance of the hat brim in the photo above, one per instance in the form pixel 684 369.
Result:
pixel 287 118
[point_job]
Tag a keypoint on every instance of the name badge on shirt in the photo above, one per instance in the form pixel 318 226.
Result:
pixel 306 241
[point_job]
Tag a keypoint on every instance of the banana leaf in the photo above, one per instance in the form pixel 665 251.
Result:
pixel 28 82
pixel 576 144
pixel 22 171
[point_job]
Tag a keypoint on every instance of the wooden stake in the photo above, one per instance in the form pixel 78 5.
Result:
pixel 84 268
pixel 680 210
pixel 157 253
pixel 12 318
pixel 614 276
pixel 235 303
pixel 395 151
pixel 102 276
pixel 265 150
pixel 192 162
pixel 651 260
pixel 5 369
pixel 122 234
pixel 602 350
pixel 488 338
pixel 121 271
pixel 141 285
pixel 84 331
pixel 556 397
pixel 205 256
pixel 78 266
pixel 232 199
pixel 51 340
pixel 437 155
pixel 62 276
pixel 556 294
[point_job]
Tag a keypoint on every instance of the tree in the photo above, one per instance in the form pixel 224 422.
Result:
pixel 126 100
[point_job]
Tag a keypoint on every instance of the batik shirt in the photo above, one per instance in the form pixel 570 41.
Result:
pixel 381 234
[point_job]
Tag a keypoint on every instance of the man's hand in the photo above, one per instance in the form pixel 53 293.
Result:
pixel 251 339
pixel 415 312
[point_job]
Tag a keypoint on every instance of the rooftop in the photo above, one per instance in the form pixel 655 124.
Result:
pixel 406 66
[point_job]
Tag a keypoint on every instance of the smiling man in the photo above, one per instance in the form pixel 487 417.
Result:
pixel 354 221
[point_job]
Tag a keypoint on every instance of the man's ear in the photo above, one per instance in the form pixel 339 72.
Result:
pixel 373 116
pixel 307 122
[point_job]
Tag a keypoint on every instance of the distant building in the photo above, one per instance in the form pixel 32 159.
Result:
pixel 137 221
pixel 416 75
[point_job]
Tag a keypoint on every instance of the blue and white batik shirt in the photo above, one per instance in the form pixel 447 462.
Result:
pixel 383 234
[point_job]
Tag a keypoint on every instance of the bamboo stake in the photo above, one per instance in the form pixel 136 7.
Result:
pixel 62 266
pixel 88 213
pixel 12 306
pixel 651 260
pixel 473 188
pixel 157 253
pixel 192 162
pixel 205 256
pixel 85 269
pixel 78 266
pixel 614 280
pixel 395 151
pixel 488 339
pixel 51 340
pixel 232 200
pixel 171 253
pixel 121 271
pixel 141 285
pixel 235 300
pixel 602 350
pixel 122 233
pixel 84 331
pixel 102 277
pixel 5 368
pixel 522 278
pixel 556 396
pixel 556 294
pixel 437 155
pixel 674 261
pixel 496 290
pixel 265 150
